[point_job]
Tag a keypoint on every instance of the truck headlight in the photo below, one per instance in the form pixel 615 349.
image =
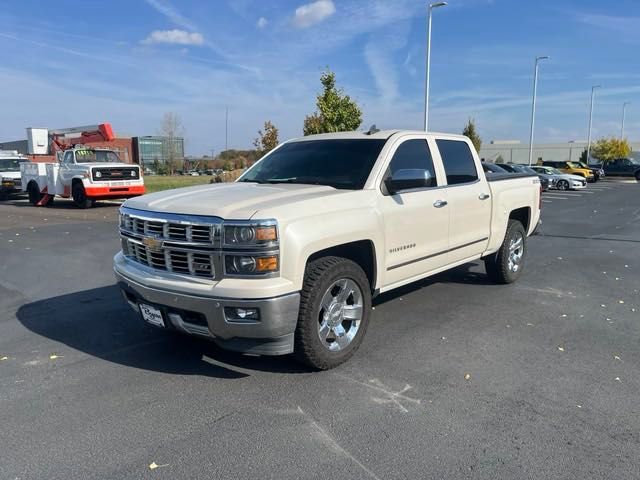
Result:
pixel 133 173
pixel 250 264
pixel 250 234
pixel 98 174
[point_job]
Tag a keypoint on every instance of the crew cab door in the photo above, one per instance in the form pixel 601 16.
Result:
pixel 469 199
pixel 416 221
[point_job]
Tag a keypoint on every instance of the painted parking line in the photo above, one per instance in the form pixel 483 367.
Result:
pixel 568 194
pixel 558 198
pixel 547 201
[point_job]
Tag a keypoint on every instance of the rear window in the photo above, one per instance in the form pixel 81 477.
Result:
pixel 458 161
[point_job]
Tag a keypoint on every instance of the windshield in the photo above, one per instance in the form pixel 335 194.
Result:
pixel 10 164
pixel 574 165
pixel 340 163
pixel 91 156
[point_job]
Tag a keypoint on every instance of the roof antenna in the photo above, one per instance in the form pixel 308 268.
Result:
pixel 372 130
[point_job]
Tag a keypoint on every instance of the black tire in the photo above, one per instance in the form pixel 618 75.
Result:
pixel 34 193
pixel 562 185
pixel 498 265
pixel 320 275
pixel 637 175
pixel 80 196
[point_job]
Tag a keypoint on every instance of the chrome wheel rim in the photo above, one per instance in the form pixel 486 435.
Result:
pixel 340 314
pixel 516 251
pixel 563 185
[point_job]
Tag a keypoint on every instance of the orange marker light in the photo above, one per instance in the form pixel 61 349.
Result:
pixel 265 234
pixel 266 264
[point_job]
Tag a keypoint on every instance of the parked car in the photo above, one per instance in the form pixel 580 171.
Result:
pixel 492 168
pixel 10 177
pixel 515 168
pixel 194 173
pixel 571 168
pixel 287 258
pixel 598 172
pixel 622 167
pixel 560 180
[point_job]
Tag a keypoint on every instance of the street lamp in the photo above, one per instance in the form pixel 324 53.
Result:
pixel 426 85
pixel 624 110
pixel 533 105
pixel 593 89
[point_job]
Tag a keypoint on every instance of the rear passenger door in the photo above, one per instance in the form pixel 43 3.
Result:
pixel 469 200
pixel 416 221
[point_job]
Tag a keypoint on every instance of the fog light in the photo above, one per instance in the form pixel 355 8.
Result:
pixel 241 314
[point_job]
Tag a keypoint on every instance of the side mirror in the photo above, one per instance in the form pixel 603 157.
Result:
pixel 408 179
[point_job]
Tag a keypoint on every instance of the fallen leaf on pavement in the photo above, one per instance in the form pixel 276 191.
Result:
pixel 616 357
pixel 53 356
pixel 154 465
pixel 620 301
pixel 617 379
pixel 467 376
pixel 561 349
pixel 4 358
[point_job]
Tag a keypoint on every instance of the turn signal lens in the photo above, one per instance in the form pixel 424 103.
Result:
pixel 267 264
pixel 266 234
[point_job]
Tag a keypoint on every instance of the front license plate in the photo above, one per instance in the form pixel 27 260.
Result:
pixel 152 315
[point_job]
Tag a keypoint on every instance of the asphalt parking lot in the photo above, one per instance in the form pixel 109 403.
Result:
pixel 457 377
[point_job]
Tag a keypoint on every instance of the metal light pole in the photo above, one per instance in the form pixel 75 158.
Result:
pixel 593 89
pixel 533 106
pixel 624 110
pixel 426 83
pixel 226 129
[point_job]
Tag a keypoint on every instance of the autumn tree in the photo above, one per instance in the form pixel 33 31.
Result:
pixel 608 149
pixel 171 128
pixel 267 139
pixel 335 111
pixel 470 131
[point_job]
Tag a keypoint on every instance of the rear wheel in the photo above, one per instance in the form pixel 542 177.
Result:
pixel 562 185
pixel 335 303
pixel 34 193
pixel 80 196
pixel 505 266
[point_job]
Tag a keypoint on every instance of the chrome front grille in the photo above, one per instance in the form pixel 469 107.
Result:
pixel 168 230
pixel 197 263
pixel 188 245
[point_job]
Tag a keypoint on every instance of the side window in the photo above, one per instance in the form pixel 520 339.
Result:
pixel 68 157
pixel 458 161
pixel 413 154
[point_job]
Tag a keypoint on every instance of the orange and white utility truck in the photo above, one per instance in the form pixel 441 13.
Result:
pixel 84 174
pixel 81 172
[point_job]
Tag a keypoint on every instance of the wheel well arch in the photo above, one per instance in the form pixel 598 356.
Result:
pixel 523 215
pixel 362 252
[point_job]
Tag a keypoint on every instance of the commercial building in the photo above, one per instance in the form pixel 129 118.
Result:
pixel 148 150
pixel 512 151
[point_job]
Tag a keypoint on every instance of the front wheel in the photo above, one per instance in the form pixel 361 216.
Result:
pixel 562 185
pixel 637 175
pixel 335 304
pixel 505 266
pixel 80 196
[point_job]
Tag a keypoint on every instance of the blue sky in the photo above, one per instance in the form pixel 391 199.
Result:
pixel 129 61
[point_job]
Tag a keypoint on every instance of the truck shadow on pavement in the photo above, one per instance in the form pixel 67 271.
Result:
pixel 99 323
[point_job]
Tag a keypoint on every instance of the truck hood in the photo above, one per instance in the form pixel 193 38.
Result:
pixel 11 175
pixel 236 201
pixel 108 165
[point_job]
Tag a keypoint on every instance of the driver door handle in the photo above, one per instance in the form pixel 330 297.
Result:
pixel 484 196
pixel 440 203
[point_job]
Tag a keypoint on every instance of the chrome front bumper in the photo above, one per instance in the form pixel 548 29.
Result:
pixel 272 334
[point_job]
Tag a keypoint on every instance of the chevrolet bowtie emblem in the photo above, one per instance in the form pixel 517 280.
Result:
pixel 152 243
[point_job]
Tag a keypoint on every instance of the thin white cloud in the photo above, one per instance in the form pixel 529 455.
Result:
pixel 175 37
pixel 312 13
pixel 169 11
pixel 262 22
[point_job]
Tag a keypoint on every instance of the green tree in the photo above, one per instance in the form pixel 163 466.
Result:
pixel 336 111
pixel 470 131
pixel 607 149
pixel 267 139
pixel 228 166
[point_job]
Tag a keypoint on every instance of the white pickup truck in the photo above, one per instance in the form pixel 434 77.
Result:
pixel 288 258
pixel 10 180
pixel 84 174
